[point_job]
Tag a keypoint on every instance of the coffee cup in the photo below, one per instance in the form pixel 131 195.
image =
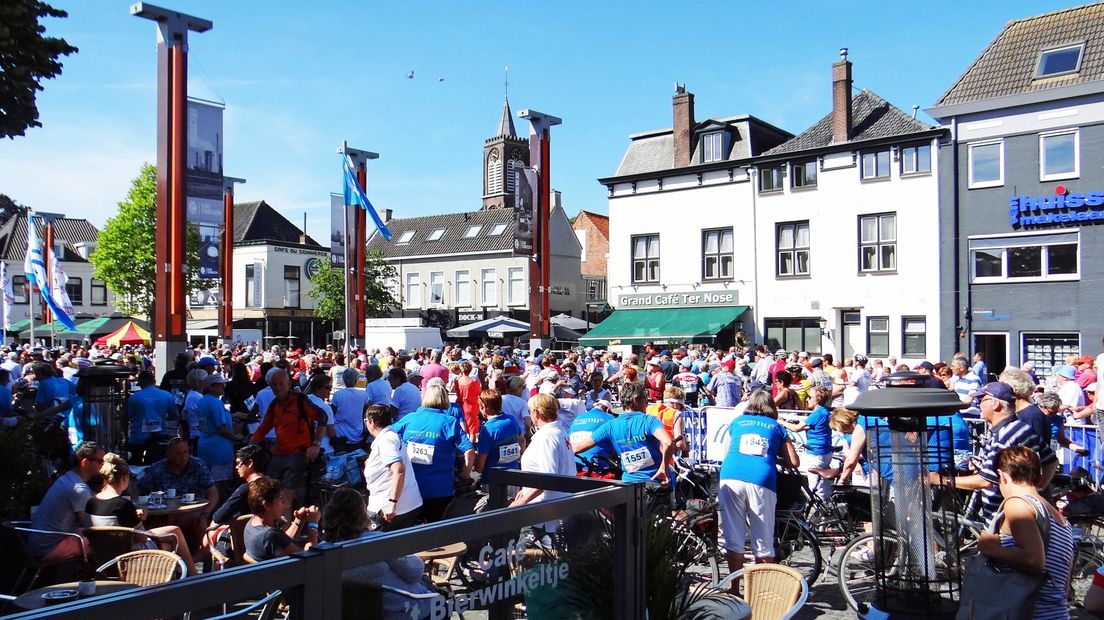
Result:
pixel 170 493
pixel 86 588
pixel 188 498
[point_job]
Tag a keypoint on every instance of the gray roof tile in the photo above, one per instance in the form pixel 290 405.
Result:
pixel 872 118
pixel 453 241
pixel 257 221
pixel 1007 66
pixel 70 231
pixel 654 151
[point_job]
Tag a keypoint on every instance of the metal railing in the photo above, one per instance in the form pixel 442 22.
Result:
pixel 311 580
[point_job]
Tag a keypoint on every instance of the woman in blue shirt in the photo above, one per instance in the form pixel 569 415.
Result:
pixel 748 491
pixel 433 437
pixel 216 440
pixel 501 440
pixel 818 441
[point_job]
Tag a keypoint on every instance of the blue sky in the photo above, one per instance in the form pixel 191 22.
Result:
pixel 298 78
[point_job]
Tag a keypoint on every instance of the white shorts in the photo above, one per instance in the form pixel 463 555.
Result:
pixel 743 504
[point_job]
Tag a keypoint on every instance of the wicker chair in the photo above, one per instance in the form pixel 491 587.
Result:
pixel 775 592
pixel 147 567
pixel 109 542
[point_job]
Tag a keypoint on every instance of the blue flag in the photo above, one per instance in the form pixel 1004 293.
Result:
pixel 354 195
pixel 35 269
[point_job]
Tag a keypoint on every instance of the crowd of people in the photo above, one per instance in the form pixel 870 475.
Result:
pixel 262 422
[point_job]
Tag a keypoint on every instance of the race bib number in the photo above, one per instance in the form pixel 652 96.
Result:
pixel 420 453
pixel 753 445
pixel 580 436
pixel 179 397
pixel 509 453
pixel 151 425
pixel 635 460
pixel 73 439
pixel 249 403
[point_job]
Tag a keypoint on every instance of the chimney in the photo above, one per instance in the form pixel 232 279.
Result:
pixel 303 233
pixel 683 104
pixel 386 215
pixel 841 98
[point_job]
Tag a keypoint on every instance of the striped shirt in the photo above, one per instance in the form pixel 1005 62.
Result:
pixel 1060 550
pixel 965 384
pixel 1006 433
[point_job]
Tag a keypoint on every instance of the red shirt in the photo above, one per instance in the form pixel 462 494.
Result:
pixel 467 396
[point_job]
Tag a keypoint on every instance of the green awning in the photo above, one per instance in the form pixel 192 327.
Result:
pixel 667 325
pixel 19 326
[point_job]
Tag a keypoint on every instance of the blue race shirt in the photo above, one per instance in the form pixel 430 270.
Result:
pixel 433 438
pixel 878 434
pixel 148 409
pixel 214 449
pixel 5 399
pixel 755 444
pixel 52 390
pixel 583 427
pixel 947 434
pixel 632 437
pixel 818 437
pixel 498 439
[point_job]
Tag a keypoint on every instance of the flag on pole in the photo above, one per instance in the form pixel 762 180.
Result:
pixel 354 195
pixel 35 270
pixel 58 293
pixel 8 299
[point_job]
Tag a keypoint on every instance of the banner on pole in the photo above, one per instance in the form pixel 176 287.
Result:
pixel 204 185
pixel 337 230
pixel 526 205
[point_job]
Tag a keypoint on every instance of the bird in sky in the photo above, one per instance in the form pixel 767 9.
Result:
pixel 440 79
pixel 410 76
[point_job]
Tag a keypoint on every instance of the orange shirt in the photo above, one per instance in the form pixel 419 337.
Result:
pixel 293 433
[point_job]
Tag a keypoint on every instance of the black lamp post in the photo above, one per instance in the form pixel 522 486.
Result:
pixel 915 540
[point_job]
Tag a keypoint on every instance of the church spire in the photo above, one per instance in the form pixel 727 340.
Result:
pixel 506 120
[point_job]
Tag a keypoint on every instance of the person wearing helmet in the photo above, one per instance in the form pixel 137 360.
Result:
pixel 858 379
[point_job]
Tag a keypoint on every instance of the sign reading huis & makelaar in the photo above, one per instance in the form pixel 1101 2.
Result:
pixel 693 299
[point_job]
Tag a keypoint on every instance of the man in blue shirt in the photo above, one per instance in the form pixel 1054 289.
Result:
pixel 641 440
pixel 405 396
pixel 148 409
pixel 583 427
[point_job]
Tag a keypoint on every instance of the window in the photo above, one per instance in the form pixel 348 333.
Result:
pixel 1059 155
pixel 875 165
pixel 711 147
pixel 595 289
pixel 877 336
pixel 405 237
pixel 645 258
pixel 1049 350
pixel 1059 61
pixel 581 236
pixel 986 164
pixel 19 289
pixel 463 289
pixel 436 234
pixel 497 230
pixel 516 292
pixel 717 254
pixel 1025 257
pixel 494 173
pixel 793 249
pixel 251 275
pixel 915 336
pixel 770 179
pixel 488 290
pixel 791 334
pixel 472 231
pixel 74 288
pixel 804 174
pixel 878 242
pixel 99 291
pixel 916 159
pixel 291 286
pixel 413 296
pixel 436 288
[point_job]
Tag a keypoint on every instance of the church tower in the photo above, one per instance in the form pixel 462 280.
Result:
pixel 500 154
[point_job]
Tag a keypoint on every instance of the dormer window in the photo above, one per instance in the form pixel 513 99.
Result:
pixel 497 230
pixel 472 231
pixel 405 237
pixel 711 147
pixel 1060 61
pixel 436 234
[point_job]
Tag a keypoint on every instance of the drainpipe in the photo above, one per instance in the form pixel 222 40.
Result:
pixel 753 173
pixel 957 261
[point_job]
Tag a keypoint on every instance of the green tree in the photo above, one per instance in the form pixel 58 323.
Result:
pixel 125 252
pixel 27 57
pixel 328 289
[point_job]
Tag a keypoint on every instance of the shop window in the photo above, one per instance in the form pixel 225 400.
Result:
pixel 877 336
pixel 875 165
pixel 916 159
pixel 878 242
pixel 1030 258
pixel 915 336
pixel 717 254
pixel 986 164
pixel 645 259
pixel 1059 155
pixel 793 334
pixel 1049 350
pixel 804 174
pixel 793 249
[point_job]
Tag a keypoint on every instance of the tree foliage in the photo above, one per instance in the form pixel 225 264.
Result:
pixel 328 289
pixel 125 253
pixel 27 57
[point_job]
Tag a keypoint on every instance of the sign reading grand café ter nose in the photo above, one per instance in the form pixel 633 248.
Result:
pixel 693 299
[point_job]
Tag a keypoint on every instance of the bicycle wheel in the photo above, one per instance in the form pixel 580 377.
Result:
pixel 1090 556
pixel 701 555
pixel 797 546
pixel 857 570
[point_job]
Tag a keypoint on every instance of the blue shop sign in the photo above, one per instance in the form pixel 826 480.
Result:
pixel 1057 210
